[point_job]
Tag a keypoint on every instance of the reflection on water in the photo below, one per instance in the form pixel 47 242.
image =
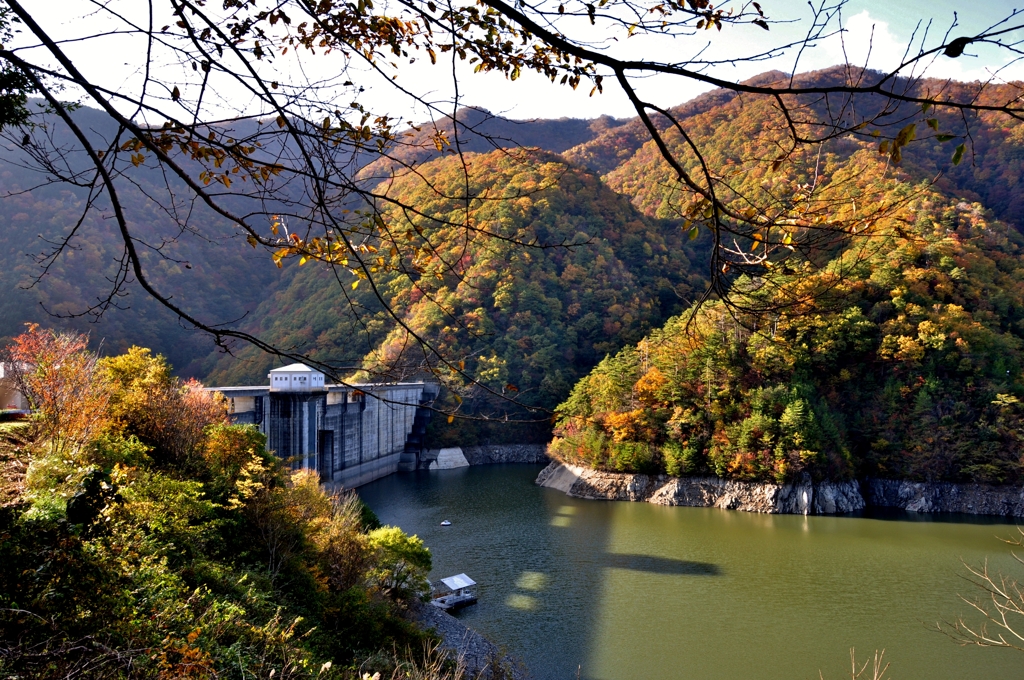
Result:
pixel 632 590
pixel 532 580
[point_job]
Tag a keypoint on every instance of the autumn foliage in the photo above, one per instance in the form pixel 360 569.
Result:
pixel 150 538
pixel 61 380
pixel 909 365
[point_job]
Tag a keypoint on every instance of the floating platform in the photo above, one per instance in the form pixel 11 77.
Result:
pixel 453 602
pixel 460 594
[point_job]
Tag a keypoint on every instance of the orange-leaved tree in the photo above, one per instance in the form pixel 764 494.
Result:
pixel 60 378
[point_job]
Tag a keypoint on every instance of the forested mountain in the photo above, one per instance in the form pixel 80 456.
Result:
pixel 910 365
pixel 480 131
pixel 904 362
pixel 738 133
pixel 523 320
pixel 528 321
pixel 212 274
pixel 616 145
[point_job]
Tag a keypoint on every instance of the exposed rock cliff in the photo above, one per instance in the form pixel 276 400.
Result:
pixel 975 499
pixel 826 498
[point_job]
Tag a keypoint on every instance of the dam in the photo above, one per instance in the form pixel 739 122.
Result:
pixel 350 434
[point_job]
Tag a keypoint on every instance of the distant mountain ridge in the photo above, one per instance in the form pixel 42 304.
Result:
pixel 602 178
pixel 476 130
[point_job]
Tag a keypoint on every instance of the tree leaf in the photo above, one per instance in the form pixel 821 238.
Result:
pixel 955 48
pixel 907 134
pixel 958 154
pixel 933 123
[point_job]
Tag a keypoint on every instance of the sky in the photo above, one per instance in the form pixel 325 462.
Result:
pixel 886 26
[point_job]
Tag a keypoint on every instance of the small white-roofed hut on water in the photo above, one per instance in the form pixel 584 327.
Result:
pixel 458 593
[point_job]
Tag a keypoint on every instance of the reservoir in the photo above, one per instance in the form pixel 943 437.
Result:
pixel 631 590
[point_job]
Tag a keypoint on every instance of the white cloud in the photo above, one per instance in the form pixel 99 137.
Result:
pixel 869 41
pixel 864 42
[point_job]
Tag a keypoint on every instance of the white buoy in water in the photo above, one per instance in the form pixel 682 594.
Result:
pixel 446 523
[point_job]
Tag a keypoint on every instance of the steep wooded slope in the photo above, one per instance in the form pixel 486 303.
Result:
pixel 214 275
pixel 524 320
pixel 909 366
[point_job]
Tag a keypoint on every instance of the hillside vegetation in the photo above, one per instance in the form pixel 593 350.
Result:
pixel 150 538
pixel 907 362
pixel 525 321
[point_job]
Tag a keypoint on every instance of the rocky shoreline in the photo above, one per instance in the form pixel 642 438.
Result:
pixel 807 498
pixel 972 499
pixel 481 658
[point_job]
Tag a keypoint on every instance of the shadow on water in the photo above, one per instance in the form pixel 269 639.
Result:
pixel 622 590
pixel 522 544
pixel 661 565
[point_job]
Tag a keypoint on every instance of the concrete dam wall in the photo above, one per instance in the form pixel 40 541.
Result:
pixel 350 434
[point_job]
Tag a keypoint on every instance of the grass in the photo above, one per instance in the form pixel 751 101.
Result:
pixel 12 426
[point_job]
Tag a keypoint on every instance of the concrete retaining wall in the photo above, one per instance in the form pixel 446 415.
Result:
pixel 493 453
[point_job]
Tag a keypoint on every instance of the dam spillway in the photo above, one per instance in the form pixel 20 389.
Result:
pixel 350 434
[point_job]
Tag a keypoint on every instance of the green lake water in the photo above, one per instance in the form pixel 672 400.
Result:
pixel 625 591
